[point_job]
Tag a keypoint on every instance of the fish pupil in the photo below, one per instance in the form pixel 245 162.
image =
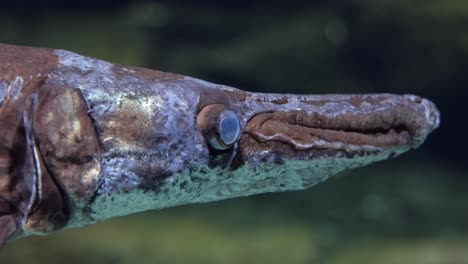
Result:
pixel 229 127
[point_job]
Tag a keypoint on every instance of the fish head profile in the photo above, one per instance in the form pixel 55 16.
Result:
pixel 84 140
pixel 291 142
pixel 203 142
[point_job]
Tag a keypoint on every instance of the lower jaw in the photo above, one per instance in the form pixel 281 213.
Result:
pixel 286 150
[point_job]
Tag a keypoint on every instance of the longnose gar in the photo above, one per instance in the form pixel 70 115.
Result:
pixel 83 140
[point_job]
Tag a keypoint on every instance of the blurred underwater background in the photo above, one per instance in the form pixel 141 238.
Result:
pixel 413 209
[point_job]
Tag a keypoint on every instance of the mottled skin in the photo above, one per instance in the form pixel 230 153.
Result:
pixel 83 140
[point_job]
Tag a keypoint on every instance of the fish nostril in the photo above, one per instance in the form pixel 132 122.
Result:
pixel 415 99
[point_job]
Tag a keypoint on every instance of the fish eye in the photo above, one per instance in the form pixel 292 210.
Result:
pixel 228 127
pixel 220 126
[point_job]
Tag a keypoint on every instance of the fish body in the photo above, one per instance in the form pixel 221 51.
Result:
pixel 83 140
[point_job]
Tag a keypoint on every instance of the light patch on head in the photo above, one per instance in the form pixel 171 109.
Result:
pixel 90 176
pixel 127 70
pixel 95 78
pixel 83 63
pixel 15 87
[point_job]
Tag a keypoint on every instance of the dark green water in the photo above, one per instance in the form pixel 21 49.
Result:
pixel 410 210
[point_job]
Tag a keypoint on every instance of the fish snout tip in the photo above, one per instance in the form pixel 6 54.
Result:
pixel 430 117
pixel 432 114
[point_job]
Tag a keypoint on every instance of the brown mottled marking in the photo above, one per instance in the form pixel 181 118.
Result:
pixel 25 61
pixel 67 140
pixel 281 100
pixel 133 126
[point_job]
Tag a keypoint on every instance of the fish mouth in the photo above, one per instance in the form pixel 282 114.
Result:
pixel 401 123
